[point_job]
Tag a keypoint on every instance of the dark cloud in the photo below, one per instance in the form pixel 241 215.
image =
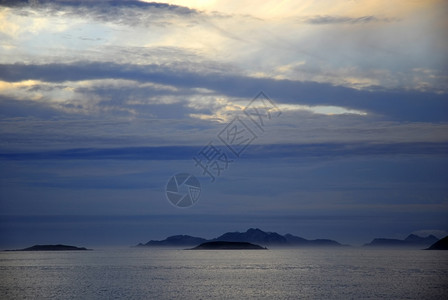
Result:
pixel 256 151
pixel 134 153
pixel 347 149
pixel 323 20
pixel 131 13
pixel 94 4
pixel 122 94
pixel 12 108
pixel 395 104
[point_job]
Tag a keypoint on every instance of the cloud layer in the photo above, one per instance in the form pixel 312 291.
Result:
pixel 102 101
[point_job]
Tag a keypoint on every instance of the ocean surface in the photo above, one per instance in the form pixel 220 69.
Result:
pixel 141 273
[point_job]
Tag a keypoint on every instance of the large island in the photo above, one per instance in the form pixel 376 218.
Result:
pixel 442 244
pixel 219 245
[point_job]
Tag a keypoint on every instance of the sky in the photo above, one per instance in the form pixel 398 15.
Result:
pixel 327 118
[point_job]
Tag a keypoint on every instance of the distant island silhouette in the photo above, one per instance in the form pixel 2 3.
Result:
pixel 58 247
pixel 227 246
pixel 176 240
pixel 252 235
pixel 441 244
pixel 412 241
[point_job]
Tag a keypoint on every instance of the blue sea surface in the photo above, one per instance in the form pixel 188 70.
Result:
pixel 152 273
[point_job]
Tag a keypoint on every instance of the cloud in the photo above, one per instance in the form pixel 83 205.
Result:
pixel 102 101
pixel 12 108
pixel 405 191
pixel 52 16
pixel 35 126
pixel 256 151
pixel 333 54
pixel 324 20
pixel 98 5
pixel 136 153
pixel 394 104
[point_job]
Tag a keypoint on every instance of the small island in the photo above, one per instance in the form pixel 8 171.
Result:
pixel 58 247
pixel 221 245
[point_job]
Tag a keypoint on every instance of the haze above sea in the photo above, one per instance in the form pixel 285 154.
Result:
pixel 153 273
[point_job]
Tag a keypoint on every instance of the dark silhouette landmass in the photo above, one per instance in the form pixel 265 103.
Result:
pixel 412 240
pixel 52 248
pixel 252 235
pixel 441 244
pixel 176 240
pixel 217 245
pixel 298 241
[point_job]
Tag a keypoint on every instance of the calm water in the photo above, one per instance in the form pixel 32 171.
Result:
pixel 177 274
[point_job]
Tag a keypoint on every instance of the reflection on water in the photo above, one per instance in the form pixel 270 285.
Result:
pixel 137 273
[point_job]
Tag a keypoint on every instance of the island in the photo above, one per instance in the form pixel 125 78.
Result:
pixel 412 241
pixel 58 247
pixel 442 244
pixel 219 245
pixel 252 235
pixel 176 240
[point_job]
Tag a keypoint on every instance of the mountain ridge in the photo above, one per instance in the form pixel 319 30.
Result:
pixel 411 240
pixel 220 245
pixel 252 235
pixel 176 240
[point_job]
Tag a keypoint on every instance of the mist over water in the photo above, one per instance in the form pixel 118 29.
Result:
pixel 136 273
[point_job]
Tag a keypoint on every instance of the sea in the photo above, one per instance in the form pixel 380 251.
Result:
pixel 154 273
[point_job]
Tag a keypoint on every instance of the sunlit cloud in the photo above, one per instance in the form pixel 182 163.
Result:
pixel 212 30
pixel 197 59
pixel 321 109
pixel 224 111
